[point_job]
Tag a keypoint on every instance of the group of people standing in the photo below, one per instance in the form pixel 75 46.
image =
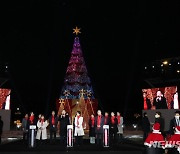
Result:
pixel 58 123
pixel 41 127
pixel 42 124
pixel 96 124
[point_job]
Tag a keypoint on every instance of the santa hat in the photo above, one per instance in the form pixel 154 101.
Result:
pixel 177 129
pixel 156 128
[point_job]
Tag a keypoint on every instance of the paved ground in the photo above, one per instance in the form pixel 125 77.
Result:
pixel 12 142
pixel 9 136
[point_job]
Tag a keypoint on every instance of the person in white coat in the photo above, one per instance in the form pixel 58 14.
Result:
pixel 79 131
pixel 41 129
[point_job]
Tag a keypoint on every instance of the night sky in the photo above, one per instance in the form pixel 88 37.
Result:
pixel 117 38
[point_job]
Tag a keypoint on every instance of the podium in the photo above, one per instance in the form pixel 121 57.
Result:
pixel 32 132
pixel 69 135
pixel 105 135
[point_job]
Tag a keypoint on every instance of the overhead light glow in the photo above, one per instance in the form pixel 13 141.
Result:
pixel 165 62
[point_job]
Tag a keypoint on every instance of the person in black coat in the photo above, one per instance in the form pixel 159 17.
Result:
pixel 145 126
pixel 160 120
pixel 31 121
pixel 1 128
pixel 160 102
pixel 113 129
pixel 53 121
pixel 25 127
pixel 99 122
pixel 106 118
pixel 63 121
pixel 174 123
pixel 92 129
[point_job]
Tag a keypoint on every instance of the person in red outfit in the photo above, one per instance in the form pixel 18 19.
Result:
pixel 155 138
pixel 147 102
pixel 174 142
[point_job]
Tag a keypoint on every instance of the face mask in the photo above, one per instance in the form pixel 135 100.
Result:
pixel 177 117
pixel 156 116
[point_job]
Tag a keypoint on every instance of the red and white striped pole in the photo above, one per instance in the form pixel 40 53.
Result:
pixel 105 135
pixel 69 135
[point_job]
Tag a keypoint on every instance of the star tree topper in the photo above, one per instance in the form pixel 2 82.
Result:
pixel 76 30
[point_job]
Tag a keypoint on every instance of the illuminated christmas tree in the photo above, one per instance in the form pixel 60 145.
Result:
pixel 77 92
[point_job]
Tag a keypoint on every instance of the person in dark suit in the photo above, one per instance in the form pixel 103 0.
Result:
pixel 92 129
pixel 99 122
pixel 159 102
pixel 1 128
pixel 63 120
pixel 147 102
pixel 145 126
pixel 53 121
pixel 113 129
pixel 106 118
pixel 31 121
pixel 25 127
pixel 174 123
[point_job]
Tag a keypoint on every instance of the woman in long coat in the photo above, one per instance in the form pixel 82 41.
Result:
pixel 41 129
pixel 79 131
pixel 120 126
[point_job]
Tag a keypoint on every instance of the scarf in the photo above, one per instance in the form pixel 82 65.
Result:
pixel 145 104
pixel 42 120
pixel 112 119
pixel 99 121
pixel 78 120
pixel 118 118
pixel 92 122
pixel 105 120
pixel 31 118
pixel 53 120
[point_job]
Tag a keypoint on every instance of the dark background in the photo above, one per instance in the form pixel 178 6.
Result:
pixel 117 39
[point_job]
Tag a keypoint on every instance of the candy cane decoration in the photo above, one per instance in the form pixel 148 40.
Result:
pixel 69 137
pixel 105 138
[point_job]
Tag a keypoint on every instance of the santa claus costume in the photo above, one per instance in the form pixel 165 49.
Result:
pixel 174 141
pixel 155 141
